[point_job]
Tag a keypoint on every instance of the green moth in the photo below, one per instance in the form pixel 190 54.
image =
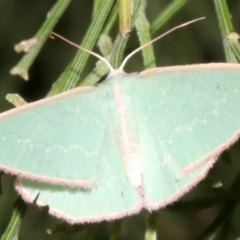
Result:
pixel 133 141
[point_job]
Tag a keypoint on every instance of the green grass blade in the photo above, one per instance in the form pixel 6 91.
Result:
pixel 11 233
pixel 167 14
pixel 231 46
pixel 71 76
pixel 39 39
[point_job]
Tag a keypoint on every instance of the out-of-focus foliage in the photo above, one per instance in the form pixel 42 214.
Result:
pixel 198 43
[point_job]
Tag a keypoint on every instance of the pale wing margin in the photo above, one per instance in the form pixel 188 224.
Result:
pixel 188 116
pixel 55 140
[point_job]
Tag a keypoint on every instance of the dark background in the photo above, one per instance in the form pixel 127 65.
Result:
pixel 20 20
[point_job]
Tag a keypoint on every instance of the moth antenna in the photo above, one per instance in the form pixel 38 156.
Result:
pixel 85 50
pixel 155 39
pixel 120 69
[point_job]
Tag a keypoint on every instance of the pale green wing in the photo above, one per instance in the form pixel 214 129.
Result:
pixel 187 117
pixel 112 195
pixel 57 139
